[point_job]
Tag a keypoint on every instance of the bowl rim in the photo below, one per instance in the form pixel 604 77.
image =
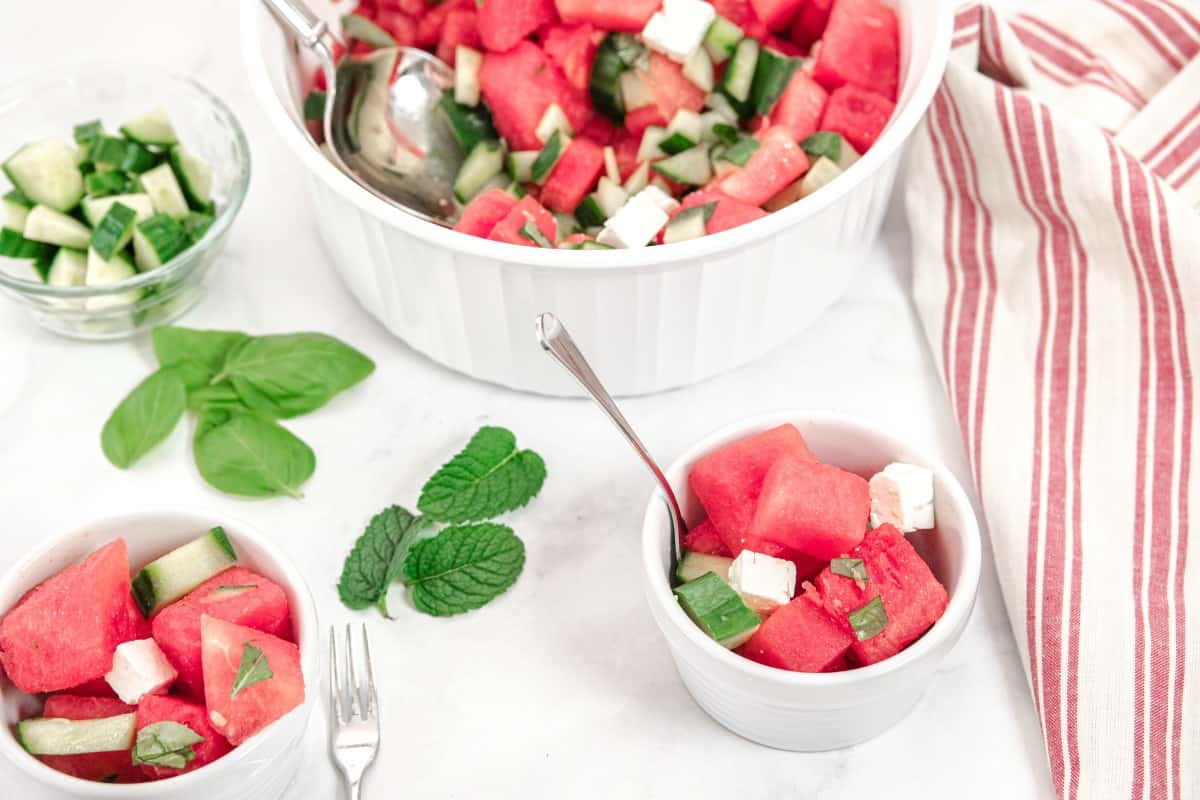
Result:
pixel 305 617
pixel 945 631
pixel 15 93
pixel 886 149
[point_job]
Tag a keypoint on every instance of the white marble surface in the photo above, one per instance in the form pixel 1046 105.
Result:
pixel 562 688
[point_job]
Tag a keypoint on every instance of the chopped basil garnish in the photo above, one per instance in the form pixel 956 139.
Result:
pixel 253 669
pixel 849 568
pixel 870 620
pixel 166 744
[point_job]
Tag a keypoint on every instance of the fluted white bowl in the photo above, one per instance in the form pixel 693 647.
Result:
pixel 650 318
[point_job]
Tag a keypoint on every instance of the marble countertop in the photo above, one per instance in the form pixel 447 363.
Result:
pixel 563 687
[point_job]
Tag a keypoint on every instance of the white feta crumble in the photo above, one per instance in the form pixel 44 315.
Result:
pixel 764 582
pixel 139 668
pixel 902 495
pixel 636 222
pixel 678 30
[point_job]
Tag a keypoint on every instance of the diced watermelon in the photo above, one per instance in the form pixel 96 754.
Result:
pixel 776 14
pixel 600 130
pixel 912 597
pixel 411 7
pixel 461 28
pixel 818 509
pixel 858 114
pixel 503 23
pixel 704 538
pixel 577 238
pixel 432 20
pixel 527 209
pixel 809 24
pixel 132 625
pixel 177 627
pixel 152 709
pixel 861 47
pixel 800 637
pixel 573 48
pixel 637 120
pixel 670 89
pixel 611 15
pixel 114 767
pixel 626 147
pixel 401 26
pixel 727 481
pixel 482 213
pixel 742 14
pixel 518 87
pixel 573 176
pixel 64 632
pixel 777 162
pixel 785 46
pixel 728 213
pixel 96 687
pixel 800 107
pixel 240 716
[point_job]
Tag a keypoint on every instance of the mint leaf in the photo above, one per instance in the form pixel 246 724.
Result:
pixel 378 558
pixel 489 477
pixel 854 568
pixel 463 568
pixel 252 669
pixel 825 144
pixel 870 620
pixel 251 456
pixel 144 418
pixel 197 354
pixel 166 744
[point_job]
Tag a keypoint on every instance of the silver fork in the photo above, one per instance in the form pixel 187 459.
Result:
pixel 355 715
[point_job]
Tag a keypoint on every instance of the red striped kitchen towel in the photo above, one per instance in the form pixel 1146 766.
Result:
pixel 1052 195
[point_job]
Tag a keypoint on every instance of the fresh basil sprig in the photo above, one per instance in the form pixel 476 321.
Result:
pixel 144 418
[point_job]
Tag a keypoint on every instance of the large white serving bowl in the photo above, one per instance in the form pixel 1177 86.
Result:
pixel 650 318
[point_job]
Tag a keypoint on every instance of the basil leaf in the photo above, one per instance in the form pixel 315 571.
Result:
pixel 216 395
pixel 144 418
pixel 870 620
pixel 251 456
pixel 286 375
pixel 854 568
pixel 253 669
pixel 212 417
pixel 463 568
pixel 166 744
pixel 823 144
pixel 378 558
pixel 197 354
pixel 489 477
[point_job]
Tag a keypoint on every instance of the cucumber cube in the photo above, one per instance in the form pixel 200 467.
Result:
pixel 44 224
pixel 153 128
pixel 172 576
pixel 165 193
pixel 67 737
pixel 718 610
pixel 47 174
pixel 114 231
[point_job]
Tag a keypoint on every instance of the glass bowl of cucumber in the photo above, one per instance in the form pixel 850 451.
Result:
pixel 119 185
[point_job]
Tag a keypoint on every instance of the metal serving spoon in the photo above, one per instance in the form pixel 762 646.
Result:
pixel 558 343
pixel 380 118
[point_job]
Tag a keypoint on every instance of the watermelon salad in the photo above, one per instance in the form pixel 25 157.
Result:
pixel 591 124
pixel 802 565
pixel 154 676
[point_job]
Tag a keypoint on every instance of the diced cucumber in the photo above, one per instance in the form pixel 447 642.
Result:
pixel 553 119
pixel 651 139
pixel 634 91
pixel 51 736
pixel 771 76
pixel 355 26
pixel 611 168
pixel 67 268
pixel 739 152
pixel 691 167
pixel 832 146
pixel 152 128
pixel 609 196
pixel 108 152
pixel 722 39
pixel 500 181
pixel 483 163
pixel 675 143
pixel 165 193
pixel 14 245
pixel 101 272
pixel 699 69
pixel 16 210
pixel 533 233
pixel 520 165
pixel 197 224
pixel 739 75
pixel 44 224
pixel 548 157
pixel 566 224
pixel 114 231
pixel 158 240
pixel 638 179
pixel 314 106
pixel 166 579
pixel 688 123
pixel 85 132
pixel 467 61
pixel 469 125
pixel 47 174
pixel 94 209
pixel 194 176
pixel 105 184
pixel 589 212
pixel 695 565
pixel 718 610
pixel 588 244
pixel 617 53
pixel 516 189
pixel 719 104
pixel 690 224
pixel 819 174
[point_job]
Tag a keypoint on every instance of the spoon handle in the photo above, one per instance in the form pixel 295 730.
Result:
pixel 300 18
pixel 557 342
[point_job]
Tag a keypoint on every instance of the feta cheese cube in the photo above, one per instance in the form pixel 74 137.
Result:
pixel 139 668
pixel 636 222
pixel 660 198
pixel 678 30
pixel 902 495
pixel 764 582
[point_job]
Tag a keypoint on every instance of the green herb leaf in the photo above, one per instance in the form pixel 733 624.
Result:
pixel 287 375
pixel 216 395
pixel 378 558
pixel 849 568
pixel 726 133
pixel 197 354
pixel 739 152
pixel 489 477
pixel 166 744
pixel 251 456
pixel 144 418
pixel 463 568
pixel 823 144
pixel 870 620
pixel 253 669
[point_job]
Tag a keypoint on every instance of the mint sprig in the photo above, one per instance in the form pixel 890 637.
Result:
pixel 463 568
pixel 378 558
pixel 166 744
pixel 489 477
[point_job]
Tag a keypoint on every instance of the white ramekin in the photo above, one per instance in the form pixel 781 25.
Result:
pixel 265 764
pixel 814 712
pixel 650 319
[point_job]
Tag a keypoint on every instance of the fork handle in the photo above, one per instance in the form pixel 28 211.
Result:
pixel 353 789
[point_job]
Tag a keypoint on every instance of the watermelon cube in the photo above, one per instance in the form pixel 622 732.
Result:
pixel 503 23
pixel 64 632
pixel 600 130
pixel 800 637
pixel 860 47
pixel 727 213
pixel 776 14
pixel 573 48
pixel 576 238
pixel 236 595
pixel 858 114
pixel 669 88
pixel 625 15
pixel 482 213
pixel 432 21
pixel 777 162
pixel 741 13
pixel 573 176
pixel 800 107
pixel 527 209
pixel 460 28
pixel 519 85
pixel 637 120
pixel 704 538
pixel 251 678
pixel 728 480
pixel 817 509
pixel 912 597
pixel 399 25
pixel 114 767
pixel 152 709
pixel 809 24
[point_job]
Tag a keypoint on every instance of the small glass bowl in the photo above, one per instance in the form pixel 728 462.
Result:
pixel 50 105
